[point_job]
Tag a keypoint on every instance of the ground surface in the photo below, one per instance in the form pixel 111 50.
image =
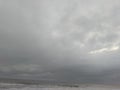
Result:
pixel 6 86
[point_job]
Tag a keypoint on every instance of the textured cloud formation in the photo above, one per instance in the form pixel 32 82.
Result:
pixel 71 40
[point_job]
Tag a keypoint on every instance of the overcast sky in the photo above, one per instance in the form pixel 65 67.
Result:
pixel 65 40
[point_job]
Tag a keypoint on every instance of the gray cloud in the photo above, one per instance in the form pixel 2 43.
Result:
pixel 75 41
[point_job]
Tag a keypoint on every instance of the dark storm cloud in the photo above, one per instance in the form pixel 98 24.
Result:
pixel 65 40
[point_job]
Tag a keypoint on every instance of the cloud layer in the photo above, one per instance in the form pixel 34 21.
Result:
pixel 71 40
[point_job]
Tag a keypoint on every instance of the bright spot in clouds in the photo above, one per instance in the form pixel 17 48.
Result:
pixel 102 50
